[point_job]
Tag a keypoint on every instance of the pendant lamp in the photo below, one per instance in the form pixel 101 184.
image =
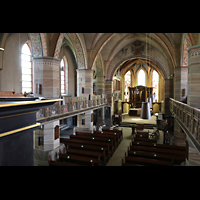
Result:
pixel 149 99
pixel 145 111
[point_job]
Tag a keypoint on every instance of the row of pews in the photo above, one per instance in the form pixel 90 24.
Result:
pixel 10 94
pixel 146 152
pixel 89 149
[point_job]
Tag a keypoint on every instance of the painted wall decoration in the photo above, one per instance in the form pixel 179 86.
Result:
pixel 185 53
pixel 99 66
pixel 44 43
pixel 79 51
pixel 77 46
pixel 58 45
pixel 36 44
pixel 137 48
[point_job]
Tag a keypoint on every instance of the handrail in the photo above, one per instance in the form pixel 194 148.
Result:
pixel 189 119
pixel 72 105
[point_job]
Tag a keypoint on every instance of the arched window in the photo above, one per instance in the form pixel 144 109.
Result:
pixel 26 64
pixel 155 83
pixel 141 77
pixel 63 67
pixel 127 80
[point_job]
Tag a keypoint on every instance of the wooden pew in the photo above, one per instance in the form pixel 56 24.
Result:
pixel 142 134
pixel 93 139
pixel 81 160
pixel 163 146
pixel 9 94
pixel 114 131
pixel 86 147
pixel 117 133
pixel 141 139
pixel 102 135
pixel 147 161
pixel 130 164
pixel 86 142
pixel 156 155
pixel 81 152
pixel 176 156
pixel 59 163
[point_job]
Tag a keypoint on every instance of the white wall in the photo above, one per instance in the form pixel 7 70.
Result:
pixel 10 75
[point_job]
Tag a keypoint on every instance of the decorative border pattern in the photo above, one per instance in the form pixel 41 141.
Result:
pixel 194 51
pixel 36 44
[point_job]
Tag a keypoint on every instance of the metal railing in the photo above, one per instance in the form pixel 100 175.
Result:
pixel 72 105
pixel 189 119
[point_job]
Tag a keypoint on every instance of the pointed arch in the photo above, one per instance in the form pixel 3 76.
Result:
pixel 185 45
pixel 77 45
pixel 36 44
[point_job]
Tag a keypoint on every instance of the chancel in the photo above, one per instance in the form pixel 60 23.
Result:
pixel 99 99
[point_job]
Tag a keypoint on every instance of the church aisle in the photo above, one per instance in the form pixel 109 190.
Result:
pixel 119 154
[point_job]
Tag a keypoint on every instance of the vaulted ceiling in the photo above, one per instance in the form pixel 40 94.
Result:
pixel 163 50
pixel 166 47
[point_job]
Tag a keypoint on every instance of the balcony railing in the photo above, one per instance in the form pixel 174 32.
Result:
pixel 189 119
pixel 72 105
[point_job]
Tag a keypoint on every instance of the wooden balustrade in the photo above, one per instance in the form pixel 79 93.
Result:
pixel 72 104
pixel 189 117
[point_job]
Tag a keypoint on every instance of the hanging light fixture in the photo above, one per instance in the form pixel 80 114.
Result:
pixel 145 111
pixel 149 99
pixel 1 49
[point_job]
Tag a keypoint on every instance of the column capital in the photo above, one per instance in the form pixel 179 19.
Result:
pixel 180 67
pixel 78 70
pixel 45 57
pixel 194 51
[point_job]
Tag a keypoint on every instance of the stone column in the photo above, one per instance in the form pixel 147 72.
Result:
pixel 100 90
pixel 180 83
pixel 85 88
pixel 168 93
pixel 109 109
pixel 109 91
pixel 193 76
pixel 46 77
pixel 49 136
pixel 84 82
pixel 100 85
